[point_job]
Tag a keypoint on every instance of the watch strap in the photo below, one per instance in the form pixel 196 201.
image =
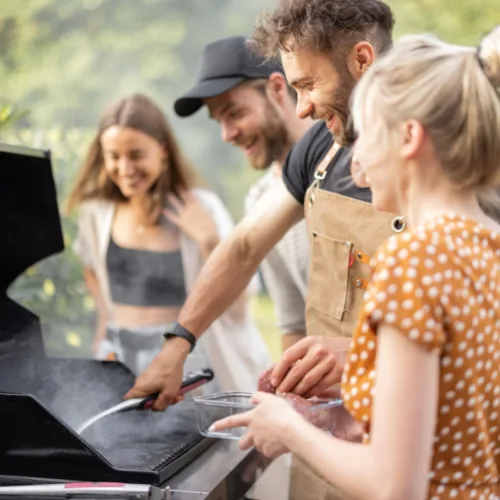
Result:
pixel 177 330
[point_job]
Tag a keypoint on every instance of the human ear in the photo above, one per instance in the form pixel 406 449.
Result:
pixel 413 139
pixel 276 87
pixel 360 58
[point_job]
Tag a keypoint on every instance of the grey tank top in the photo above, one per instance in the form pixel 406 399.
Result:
pixel 144 277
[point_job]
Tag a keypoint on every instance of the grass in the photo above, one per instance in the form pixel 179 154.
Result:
pixel 263 315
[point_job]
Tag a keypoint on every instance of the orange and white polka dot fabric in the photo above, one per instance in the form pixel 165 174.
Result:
pixel 440 286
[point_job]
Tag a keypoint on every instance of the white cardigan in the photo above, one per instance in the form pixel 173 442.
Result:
pixel 234 346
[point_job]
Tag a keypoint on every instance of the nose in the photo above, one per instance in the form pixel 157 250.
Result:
pixel 125 166
pixel 304 107
pixel 229 132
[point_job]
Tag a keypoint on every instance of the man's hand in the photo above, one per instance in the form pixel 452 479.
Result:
pixel 311 366
pixel 163 375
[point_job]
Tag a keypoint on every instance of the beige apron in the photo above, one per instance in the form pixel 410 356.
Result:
pixel 344 234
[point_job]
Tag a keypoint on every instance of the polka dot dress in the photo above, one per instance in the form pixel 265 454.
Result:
pixel 440 286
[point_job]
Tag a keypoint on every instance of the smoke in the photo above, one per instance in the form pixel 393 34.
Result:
pixel 77 389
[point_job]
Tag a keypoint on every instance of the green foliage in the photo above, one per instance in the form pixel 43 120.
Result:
pixel 54 288
pixel 65 61
pixel 455 21
pixel 9 117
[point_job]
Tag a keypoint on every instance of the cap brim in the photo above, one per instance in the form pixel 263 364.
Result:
pixel 192 100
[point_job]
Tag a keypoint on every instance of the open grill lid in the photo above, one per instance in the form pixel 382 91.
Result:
pixel 29 212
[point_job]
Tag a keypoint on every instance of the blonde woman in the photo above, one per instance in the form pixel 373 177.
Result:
pixel 146 227
pixel 423 373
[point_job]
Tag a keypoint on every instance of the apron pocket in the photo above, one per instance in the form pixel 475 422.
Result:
pixel 330 275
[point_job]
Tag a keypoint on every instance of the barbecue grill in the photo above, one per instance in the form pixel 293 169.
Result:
pixel 43 401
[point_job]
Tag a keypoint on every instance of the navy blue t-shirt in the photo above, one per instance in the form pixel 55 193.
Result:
pixel 307 153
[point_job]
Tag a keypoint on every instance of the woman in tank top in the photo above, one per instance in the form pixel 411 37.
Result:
pixel 145 228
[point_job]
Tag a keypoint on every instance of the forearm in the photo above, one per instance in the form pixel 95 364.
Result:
pixel 223 279
pixel 349 466
pixel 230 267
pixel 207 246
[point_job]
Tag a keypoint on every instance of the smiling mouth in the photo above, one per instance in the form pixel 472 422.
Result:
pixel 250 148
pixel 132 181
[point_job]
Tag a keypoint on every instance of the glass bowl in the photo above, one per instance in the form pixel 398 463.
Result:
pixel 326 414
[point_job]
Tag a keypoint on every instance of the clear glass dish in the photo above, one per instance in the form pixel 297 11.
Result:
pixel 327 414
pixel 215 407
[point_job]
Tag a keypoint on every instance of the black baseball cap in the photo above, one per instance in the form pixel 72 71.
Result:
pixel 224 64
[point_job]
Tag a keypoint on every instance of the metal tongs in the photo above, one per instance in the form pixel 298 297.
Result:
pixel 107 491
pixel 191 381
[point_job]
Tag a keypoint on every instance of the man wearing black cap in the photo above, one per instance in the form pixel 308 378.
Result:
pixel 325 47
pixel 255 108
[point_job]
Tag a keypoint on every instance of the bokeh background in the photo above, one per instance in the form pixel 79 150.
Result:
pixel 62 61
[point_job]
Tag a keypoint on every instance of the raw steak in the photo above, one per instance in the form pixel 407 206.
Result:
pixel 337 420
pixel 264 384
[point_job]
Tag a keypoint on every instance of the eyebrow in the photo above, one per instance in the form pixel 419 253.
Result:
pixel 132 150
pixel 222 110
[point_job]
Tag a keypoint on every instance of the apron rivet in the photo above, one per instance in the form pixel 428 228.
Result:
pixel 360 255
pixel 398 224
pixel 358 282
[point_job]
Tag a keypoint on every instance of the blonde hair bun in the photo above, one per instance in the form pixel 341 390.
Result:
pixel 489 55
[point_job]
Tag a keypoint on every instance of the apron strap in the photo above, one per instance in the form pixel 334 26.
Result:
pixel 323 165
pixel 321 169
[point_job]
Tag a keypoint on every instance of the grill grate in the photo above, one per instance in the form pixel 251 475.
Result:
pixel 144 440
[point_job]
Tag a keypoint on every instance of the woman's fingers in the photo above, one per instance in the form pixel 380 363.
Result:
pixel 174 203
pixel 246 442
pixel 240 420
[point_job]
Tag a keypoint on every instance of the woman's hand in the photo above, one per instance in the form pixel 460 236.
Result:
pixel 268 424
pixel 191 217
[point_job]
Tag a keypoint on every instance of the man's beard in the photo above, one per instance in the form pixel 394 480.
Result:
pixel 339 105
pixel 277 140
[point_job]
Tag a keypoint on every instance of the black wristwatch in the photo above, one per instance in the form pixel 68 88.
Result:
pixel 177 330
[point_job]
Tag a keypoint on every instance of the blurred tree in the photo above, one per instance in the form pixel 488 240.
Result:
pixel 66 60
pixel 456 21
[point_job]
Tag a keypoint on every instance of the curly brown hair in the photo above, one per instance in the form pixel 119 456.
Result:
pixel 139 112
pixel 328 26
